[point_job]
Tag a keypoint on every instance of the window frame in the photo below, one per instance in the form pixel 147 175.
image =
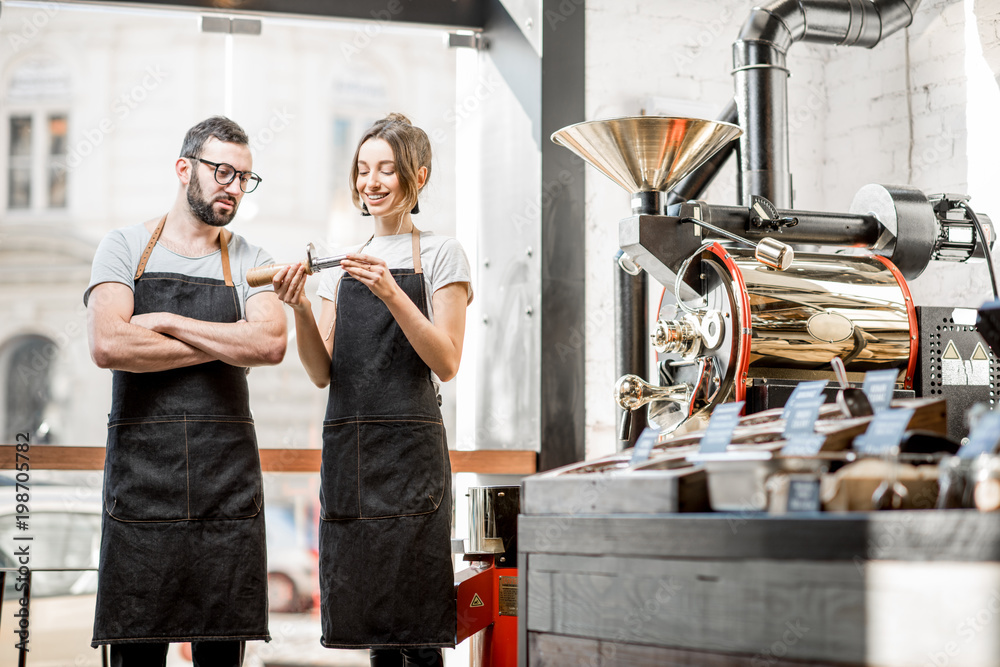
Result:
pixel 39 207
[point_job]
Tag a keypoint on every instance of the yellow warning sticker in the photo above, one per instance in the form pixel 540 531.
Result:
pixel 476 601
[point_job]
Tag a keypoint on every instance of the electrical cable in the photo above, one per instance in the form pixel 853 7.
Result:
pixel 986 246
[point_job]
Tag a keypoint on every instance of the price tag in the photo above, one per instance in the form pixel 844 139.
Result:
pixel 884 432
pixel 984 438
pixel 643 446
pixel 800 427
pixel 803 391
pixel 879 387
pixel 803 495
pixel 719 433
pixel 804 444
pixel 800 417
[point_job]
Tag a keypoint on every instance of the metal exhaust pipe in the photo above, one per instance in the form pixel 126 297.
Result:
pixel 761 76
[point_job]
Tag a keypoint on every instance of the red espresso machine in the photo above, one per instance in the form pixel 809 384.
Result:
pixel 486 591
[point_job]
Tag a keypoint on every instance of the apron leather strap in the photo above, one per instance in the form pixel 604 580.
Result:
pixel 224 247
pixel 224 237
pixel 417 268
pixel 149 248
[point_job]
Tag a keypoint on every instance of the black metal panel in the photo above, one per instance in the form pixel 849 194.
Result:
pixel 455 13
pixel 563 236
pixel 766 394
pixel 940 338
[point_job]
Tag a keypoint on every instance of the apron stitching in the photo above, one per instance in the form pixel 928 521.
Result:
pixel 187 281
pixel 221 518
pixel 187 467
pixel 358 432
pixel 129 640
pixel 334 422
pixel 391 516
pixel 140 422
pixel 236 305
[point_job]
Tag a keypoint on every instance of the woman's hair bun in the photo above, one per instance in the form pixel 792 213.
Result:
pixel 395 117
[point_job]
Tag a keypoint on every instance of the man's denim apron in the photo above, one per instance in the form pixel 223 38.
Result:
pixel 182 546
pixel 386 574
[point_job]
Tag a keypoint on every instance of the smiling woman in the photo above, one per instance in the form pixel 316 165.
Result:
pixel 392 323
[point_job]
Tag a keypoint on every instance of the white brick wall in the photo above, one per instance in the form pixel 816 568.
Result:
pixel 896 113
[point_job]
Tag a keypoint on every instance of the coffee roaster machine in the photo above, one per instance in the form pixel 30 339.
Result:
pixel 758 298
pixel 618 556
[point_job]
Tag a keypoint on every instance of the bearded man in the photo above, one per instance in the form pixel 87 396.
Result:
pixel 183 557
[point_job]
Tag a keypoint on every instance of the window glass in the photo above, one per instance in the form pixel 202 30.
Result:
pixel 19 180
pixel 57 161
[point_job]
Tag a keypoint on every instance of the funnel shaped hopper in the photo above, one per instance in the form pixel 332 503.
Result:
pixel 646 153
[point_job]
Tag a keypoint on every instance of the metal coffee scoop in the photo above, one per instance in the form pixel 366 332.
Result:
pixel 263 275
pixel 852 401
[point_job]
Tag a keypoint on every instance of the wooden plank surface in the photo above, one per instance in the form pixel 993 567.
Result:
pixel 914 535
pixel 58 457
pixel 549 650
pixel 885 614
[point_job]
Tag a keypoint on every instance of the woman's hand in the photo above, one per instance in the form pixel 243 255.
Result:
pixel 373 272
pixel 289 286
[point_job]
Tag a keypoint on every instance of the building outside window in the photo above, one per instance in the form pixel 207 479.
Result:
pixel 37 125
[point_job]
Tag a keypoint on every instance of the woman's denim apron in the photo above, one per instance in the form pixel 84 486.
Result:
pixel 182 546
pixel 386 574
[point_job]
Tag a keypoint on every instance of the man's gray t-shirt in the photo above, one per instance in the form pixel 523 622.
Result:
pixel 442 258
pixel 119 252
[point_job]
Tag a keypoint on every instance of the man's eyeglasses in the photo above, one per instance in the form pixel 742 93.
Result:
pixel 225 173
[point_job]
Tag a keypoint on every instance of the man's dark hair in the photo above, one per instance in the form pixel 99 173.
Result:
pixel 219 127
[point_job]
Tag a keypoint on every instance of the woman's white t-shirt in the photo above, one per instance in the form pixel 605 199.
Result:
pixel 442 258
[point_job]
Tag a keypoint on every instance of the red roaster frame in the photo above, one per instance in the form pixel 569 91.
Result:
pixel 911 314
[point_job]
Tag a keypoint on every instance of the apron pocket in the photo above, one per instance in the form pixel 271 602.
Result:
pixel 375 467
pixel 339 496
pixel 179 469
pixel 402 467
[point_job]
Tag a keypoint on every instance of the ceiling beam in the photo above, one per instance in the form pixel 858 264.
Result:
pixel 466 14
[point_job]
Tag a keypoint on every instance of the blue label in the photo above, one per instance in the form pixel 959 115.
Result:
pixel 804 444
pixel 879 387
pixel 984 437
pixel 800 417
pixel 719 433
pixel 884 432
pixel 643 446
pixel 803 495
pixel 803 391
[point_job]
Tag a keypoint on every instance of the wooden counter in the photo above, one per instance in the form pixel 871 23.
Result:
pixel 893 589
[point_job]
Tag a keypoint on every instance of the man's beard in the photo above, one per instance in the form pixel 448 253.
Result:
pixel 202 208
